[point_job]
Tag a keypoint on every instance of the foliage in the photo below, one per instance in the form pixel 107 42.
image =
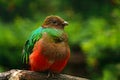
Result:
pixel 93 26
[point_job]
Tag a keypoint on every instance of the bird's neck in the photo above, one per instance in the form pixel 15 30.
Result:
pixel 56 39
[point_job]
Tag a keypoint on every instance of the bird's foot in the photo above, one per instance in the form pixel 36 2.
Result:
pixel 52 75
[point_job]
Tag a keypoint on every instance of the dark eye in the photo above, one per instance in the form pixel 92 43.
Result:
pixel 54 22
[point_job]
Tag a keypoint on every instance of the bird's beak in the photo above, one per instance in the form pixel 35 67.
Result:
pixel 65 23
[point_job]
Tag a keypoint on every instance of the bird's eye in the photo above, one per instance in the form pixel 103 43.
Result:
pixel 54 22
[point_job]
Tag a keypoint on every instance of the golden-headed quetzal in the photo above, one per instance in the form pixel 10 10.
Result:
pixel 47 47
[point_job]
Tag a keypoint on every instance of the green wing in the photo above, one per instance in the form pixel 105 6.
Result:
pixel 35 36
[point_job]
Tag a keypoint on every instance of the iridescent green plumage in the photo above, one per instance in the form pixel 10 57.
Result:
pixel 35 36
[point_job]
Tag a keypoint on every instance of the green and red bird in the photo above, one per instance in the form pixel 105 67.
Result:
pixel 47 47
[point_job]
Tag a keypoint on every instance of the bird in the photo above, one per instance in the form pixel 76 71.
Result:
pixel 47 49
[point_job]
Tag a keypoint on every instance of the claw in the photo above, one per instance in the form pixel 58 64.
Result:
pixel 52 75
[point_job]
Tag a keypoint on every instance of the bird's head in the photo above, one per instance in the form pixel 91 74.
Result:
pixel 54 22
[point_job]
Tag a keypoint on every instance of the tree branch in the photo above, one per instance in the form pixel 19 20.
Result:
pixel 31 75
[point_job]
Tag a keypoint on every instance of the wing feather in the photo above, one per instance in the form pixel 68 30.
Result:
pixel 29 44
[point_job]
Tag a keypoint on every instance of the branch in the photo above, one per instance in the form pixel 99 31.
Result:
pixel 31 75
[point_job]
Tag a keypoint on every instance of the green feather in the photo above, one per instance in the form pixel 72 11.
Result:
pixel 34 37
pixel 53 32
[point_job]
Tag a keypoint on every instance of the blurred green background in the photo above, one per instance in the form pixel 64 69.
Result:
pixel 94 33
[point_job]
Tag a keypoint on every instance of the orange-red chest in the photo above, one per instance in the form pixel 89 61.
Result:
pixel 49 56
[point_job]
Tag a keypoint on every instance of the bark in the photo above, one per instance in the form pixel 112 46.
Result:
pixel 16 74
